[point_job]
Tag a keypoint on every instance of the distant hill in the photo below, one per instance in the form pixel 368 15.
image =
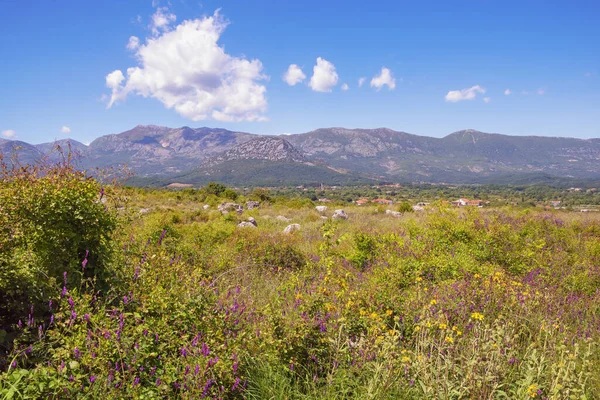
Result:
pixel 331 155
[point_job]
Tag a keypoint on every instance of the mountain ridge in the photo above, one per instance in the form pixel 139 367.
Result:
pixel 462 156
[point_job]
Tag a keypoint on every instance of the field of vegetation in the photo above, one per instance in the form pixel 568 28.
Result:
pixel 111 292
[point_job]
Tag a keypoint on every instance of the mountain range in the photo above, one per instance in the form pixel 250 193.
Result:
pixel 160 155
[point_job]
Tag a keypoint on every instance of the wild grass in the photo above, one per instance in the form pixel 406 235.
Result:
pixel 442 304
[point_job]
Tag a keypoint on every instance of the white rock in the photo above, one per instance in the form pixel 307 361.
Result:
pixel 321 208
pixel 291 228
pixel 246 224
pixel 206 206
pixel 393 213
pixel 144 211
pixel 250 205
pixel 226 207
pixel 282 218
pixel 252 221
pixel 339 214
pixel 418 208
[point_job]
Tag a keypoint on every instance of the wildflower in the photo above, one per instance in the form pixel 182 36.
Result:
pixel 443 326
pixel 433 302
pixel 64 291
pixel 205 350
pixel 92 378
pixel 76 352
pixel 405 359
pixel 533 390
pixel 136 381
pixel 449 339
pixel 477 316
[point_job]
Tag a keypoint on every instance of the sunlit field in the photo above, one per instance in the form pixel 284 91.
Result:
pixel 128 293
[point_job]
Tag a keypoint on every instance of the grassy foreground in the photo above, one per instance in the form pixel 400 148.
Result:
pixel 444 304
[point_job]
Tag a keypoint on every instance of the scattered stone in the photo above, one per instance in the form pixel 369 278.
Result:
pixel 321 208
pixel 144 211
pixel 324 217
pixel 206 206
pixel 418 208
pixel 339 214
pixel 251 205
pixel 246 224
pixel 291 228
pixel 282 218
pixel 252 221
pixel 227 207
pixel 393 213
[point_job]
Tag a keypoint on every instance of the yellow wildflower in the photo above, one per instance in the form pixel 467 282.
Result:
pixel 449 339
pixel 477 316
pixel 443 326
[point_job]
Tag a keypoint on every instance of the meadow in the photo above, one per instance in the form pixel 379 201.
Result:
pixel 112 292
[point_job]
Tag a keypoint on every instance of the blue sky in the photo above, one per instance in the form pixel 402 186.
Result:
pixel 448 66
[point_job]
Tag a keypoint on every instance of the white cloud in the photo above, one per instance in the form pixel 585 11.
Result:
pixel 384 78
pixel 324 76
pixel 294 75
pixel 465 94
pixel 541 91
pixel 187 70
pixel 345 87
pixel 161 20
pixel 361 81
pixel 9 133
pixel 507 92
pixel 487 99
pixel 133 43
pixel 588 74
pixel 524 92
pixel 113 81
pixel 65 129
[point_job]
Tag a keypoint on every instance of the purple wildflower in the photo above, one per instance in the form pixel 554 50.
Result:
pixel 205 350
pixel 92 378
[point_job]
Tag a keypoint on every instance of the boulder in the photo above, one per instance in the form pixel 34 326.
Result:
pixel 251 205
pixel 291 228
pixel 144 211
pixel 282 218
pixel 205 207
pixel 418 208
pixel 339 214
pixel 393 213
pixel 321 208
pixel 246 224
pixel 227 207
pixel 252 221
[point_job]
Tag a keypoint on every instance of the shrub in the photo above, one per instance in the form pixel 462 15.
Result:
pixel 53 222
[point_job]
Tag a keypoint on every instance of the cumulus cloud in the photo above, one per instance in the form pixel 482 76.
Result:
pixel 454 96
pixel 487 99
pixel 65 129
pixel 294 75
pixel 133 43
pixel 186 69
pixel 9 134
pixel 324 76
pixel 507 92
pixel 383 79
pixel 161 20
pixel 345 87
pixel 361 81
